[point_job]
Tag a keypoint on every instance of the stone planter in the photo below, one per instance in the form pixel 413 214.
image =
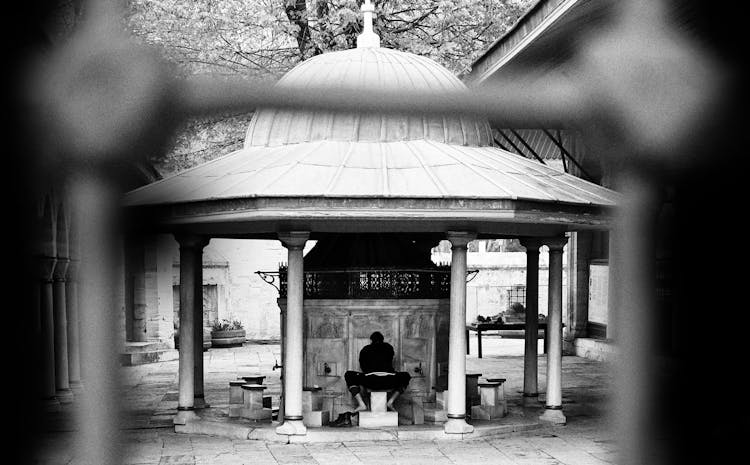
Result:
pixel 206 338
pixel 228 338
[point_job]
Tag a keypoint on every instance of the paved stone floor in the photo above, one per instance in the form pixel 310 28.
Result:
pixel 149 395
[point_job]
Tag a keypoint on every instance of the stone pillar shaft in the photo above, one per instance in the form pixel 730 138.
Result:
pixel 293 350
pixel 579 258
pixel 553 405
pixel 612 288
pixel 198 392
pixel 47 328
pixel 62 381
pixel 531 335
pixel 191 247
pixel 71 306
pixel 456 409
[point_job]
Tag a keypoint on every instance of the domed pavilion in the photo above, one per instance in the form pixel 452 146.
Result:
pixel 374 189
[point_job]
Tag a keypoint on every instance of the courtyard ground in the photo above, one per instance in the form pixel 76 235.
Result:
pixel 149 394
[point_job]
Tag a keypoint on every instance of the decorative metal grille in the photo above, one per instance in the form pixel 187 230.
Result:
pixel 517 294
pixel 372 284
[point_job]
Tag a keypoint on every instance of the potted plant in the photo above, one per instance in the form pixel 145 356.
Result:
pixel 226 333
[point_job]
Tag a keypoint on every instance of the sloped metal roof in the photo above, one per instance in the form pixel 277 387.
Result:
pixel 404 169
pixel 375 69
pixel 331 172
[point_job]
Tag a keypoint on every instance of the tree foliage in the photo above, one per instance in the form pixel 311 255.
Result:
pixel 263 39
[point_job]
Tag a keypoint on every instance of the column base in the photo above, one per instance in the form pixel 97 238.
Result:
pixel 64 396
pixel 76 387
pixel 457 426
pixel 200 402
pixel 531 400
pixel 292 427
pixel 553 415
pixel 183 417
pixel 50 405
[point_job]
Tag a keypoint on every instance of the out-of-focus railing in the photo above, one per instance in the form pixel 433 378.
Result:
pixel 639 90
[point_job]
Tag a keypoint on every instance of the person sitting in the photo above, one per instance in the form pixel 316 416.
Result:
pixel 376 362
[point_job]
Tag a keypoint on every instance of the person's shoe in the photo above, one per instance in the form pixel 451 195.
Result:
pixel 344 419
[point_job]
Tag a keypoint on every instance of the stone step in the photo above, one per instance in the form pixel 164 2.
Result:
pixel 147 346
pixel 152 356
pixel 378 419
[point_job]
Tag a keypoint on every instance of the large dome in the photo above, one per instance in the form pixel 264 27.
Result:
pixel 376 69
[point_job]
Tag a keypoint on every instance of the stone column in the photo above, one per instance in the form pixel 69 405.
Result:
pixel 74 343
pixel 62 383
pixel 553 407
pixel 612 288
pixel 456 409
pixel 191 247
pixel 293 351
pixel 282 354
pixel 199 394
pixel 46 266
pixel 531 335
pixel 579 258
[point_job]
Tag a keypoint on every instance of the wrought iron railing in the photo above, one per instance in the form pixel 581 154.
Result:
pixel 372 284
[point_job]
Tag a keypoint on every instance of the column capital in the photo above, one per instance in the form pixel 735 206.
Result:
pixel 72 271
pixel 191 241
pixel 531 244
pixel 555 244
pixel 294 239
pixel 460 239
pixel 45 267
pixel 61 269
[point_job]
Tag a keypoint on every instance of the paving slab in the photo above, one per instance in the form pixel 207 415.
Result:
pixel 149 397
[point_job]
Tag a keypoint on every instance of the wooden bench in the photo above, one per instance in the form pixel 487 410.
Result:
pixel 500 327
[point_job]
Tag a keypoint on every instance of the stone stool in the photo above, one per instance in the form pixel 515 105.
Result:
pixel 501 389
pixel 236 398
pixel 434 412
pixel 378 416
pixel 257 379
pixel 253 403
pixel 252 379
pixel 312 413
pixel 417 408
pixel 500 392
pixel 492 402
pixel 472 393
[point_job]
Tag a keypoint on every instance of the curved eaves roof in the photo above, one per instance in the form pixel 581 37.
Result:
pixel 403 169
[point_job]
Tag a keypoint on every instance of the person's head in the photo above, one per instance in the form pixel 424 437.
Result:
pixel 376 337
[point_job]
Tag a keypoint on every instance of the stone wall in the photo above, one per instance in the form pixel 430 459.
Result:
pixel 595 349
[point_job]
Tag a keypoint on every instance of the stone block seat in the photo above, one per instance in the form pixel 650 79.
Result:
pixel 417 406
pixel 313 413
pixel 253 407
pixel 236 398
pixel 236 394
pixel 472 393
pixel 252 379
pixel 378 416
pixel 434 412
pixel 492 404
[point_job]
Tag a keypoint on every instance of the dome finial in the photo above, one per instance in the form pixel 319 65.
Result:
pixel 368 38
